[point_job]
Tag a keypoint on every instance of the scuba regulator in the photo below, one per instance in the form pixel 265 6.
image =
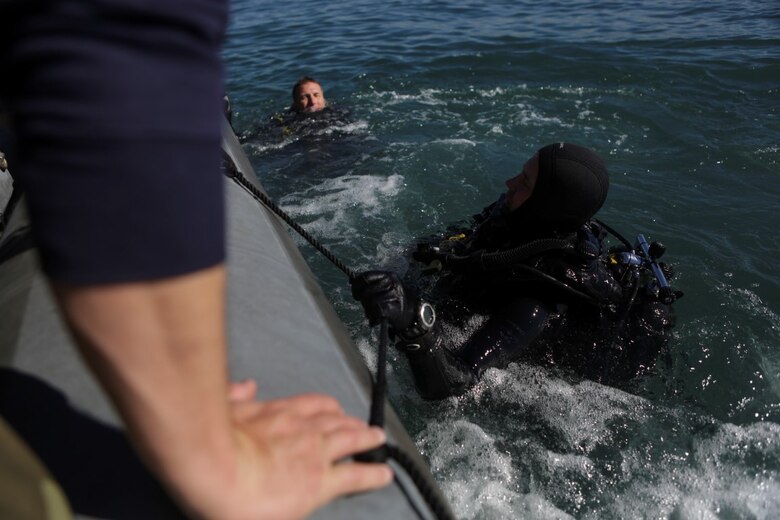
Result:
pixel 645 255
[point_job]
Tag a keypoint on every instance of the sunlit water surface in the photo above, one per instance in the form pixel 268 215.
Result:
pixel 445 100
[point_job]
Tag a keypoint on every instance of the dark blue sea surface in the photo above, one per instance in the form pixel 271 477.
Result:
pixel 438 103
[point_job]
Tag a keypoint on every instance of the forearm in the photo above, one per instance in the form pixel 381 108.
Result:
pixel 437 372
pixel 158 348
pixel 507 336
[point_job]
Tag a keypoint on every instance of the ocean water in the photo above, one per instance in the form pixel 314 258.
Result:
pixel 444 100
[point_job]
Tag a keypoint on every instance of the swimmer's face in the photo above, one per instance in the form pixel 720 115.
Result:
pixel 520 187
pixel 309 98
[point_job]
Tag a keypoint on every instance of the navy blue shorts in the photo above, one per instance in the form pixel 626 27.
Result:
pixel 116 110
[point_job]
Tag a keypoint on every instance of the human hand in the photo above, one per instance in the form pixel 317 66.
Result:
pixel 291 456
pixel 240 391
pixel 383 296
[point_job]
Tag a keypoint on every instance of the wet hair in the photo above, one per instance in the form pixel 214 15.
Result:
pixel 572 186
pixel 298 84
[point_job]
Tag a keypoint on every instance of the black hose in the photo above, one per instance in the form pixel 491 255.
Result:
pixel 621 323
pixel 615 234
pixel 558 284
pixel 504 259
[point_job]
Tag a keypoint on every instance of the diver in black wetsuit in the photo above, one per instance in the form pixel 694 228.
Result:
pixel 538 265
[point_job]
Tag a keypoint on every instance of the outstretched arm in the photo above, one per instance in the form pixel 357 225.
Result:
pixel 507 336
pixel 437 372
pixel 158 348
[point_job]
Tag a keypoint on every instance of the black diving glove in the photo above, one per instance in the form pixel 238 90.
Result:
pixel 383 295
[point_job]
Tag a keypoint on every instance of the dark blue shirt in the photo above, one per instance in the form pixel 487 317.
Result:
pixel 116 109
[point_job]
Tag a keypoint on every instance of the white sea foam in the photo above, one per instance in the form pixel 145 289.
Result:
pixel 264 147
pixel 480 484
pixel 425 96
pixel 584 114
pixel 769 149
pixel 457 142
pixel 583 439
pixel 356 127
pixel 717 478
pixel 338 210
pixel 571 90
pixel 528 115
pixel 492 92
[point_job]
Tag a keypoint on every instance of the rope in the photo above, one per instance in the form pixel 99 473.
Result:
pixel 270 204
pixel 379 391
pixel 382 453
pixel 377 417
pixel 438 507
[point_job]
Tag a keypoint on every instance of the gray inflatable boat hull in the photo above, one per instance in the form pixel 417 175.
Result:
pixel 282 331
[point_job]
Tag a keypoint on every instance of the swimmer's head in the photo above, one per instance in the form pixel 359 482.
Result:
pixel 307 96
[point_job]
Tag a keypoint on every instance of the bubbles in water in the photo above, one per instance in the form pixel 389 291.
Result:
pixel 339 205
pixel 478 476
pixel 529 440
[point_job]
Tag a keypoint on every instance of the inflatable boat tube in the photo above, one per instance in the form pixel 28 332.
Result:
pixel 282 331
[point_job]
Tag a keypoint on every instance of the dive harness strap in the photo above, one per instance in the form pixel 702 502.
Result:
pixel 511 259
pixel 498 260
pixel 641 255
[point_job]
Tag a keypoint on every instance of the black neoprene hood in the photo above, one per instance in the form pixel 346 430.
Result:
pixel 572 186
